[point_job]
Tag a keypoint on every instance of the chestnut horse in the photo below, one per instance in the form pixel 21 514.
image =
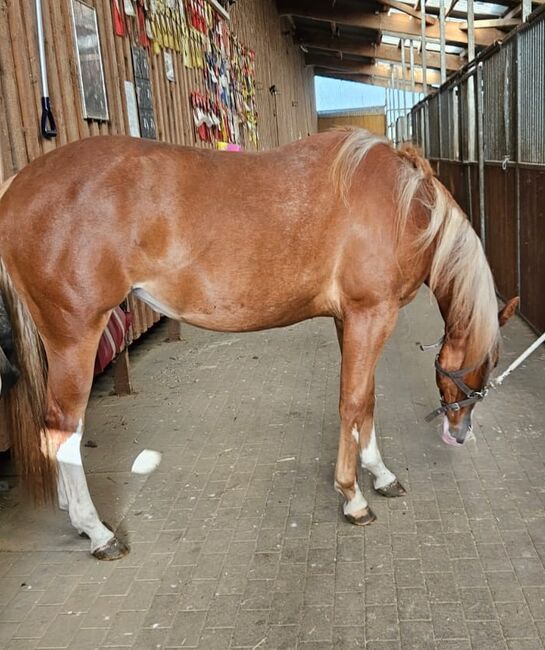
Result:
pixel 339 224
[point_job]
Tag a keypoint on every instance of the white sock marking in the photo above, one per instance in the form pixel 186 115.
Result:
pixel 372 461
pixel 74 493
pixel 61 493
pixel 356 504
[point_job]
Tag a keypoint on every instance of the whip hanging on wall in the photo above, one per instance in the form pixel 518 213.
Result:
pixel 48 127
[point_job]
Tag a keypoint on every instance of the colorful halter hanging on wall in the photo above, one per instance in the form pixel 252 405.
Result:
pixel 198 32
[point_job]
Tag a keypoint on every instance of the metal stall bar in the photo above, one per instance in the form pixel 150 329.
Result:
pixel 403 75
pixel 423 53
pixel 443 53
pixel 470 84
pixel 480 152
pixel 413 87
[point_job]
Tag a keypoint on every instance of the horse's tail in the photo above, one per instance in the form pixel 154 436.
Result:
pixel 25 404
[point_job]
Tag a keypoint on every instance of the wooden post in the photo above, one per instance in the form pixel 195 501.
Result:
pixel 173 330
pixel 122 375
pixel 526 9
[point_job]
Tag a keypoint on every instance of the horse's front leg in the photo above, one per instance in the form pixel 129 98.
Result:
pixel 385 482
pixel 363 336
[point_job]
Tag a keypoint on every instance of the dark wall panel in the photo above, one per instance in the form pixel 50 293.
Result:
pixel 454 178
pixel 501 227
pixel 532 246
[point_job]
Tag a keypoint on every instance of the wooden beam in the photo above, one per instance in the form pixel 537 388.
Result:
pixel 492 22
pixel 378 69
pixel 396 24
pixel 361 78
pixel 407 9
pixel 451 8
pixel 516 11
pixel 381 52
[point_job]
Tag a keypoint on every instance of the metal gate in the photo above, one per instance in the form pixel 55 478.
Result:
pixel 484 132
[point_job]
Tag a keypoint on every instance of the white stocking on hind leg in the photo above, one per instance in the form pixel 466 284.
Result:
pixel 74 496
pixel 69 383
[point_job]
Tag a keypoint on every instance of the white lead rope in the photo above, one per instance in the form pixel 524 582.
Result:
pixel 516 363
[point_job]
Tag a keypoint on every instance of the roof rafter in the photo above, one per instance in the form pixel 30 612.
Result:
pixel 373 80
pixel 397 24
pixel 407 9
pixel 373 69
pixel 492 22
pixel 373 51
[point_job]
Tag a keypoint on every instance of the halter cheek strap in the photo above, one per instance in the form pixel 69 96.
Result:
pixel 456 376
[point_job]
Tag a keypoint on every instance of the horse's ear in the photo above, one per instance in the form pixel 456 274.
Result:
pixel 510 307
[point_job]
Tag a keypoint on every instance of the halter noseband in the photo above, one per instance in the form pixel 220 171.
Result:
pixel 456 376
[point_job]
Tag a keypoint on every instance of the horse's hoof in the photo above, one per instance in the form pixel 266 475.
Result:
pixel 368 517
pixel 395 489
pixel 112 550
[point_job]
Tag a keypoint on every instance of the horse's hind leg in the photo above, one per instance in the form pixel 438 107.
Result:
pixel 69 384
pixel 363 337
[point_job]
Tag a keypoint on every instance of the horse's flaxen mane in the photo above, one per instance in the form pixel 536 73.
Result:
pixel 459 265
pixel 350 153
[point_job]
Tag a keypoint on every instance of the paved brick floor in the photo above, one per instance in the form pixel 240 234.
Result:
pixel 237 540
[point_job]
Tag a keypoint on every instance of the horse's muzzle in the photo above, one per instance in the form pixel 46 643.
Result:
pixel 456 435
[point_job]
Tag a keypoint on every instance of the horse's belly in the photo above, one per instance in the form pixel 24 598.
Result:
pixel 227 313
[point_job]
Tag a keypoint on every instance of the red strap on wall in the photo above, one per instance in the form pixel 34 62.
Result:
pixel 117 14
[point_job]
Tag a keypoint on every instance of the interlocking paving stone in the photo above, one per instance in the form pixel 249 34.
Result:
pixel 237 540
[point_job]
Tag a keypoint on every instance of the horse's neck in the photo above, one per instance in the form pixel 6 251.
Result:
pixel 452 329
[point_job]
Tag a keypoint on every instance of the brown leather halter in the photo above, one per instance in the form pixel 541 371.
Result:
pixel 456 376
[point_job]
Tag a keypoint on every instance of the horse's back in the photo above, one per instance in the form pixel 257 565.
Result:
pixel 224 240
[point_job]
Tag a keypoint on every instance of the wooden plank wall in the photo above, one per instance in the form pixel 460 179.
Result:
pixel 278 62
pixel 283 117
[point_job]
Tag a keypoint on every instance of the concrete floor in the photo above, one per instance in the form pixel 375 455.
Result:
pixel 237 540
